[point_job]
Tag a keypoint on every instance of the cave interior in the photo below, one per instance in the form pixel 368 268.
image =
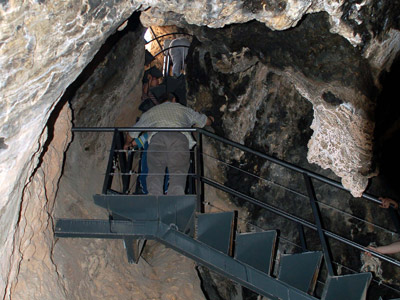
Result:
pixel 238 74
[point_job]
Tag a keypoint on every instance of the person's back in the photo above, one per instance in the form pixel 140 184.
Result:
pixel 168 149
pixel 171 114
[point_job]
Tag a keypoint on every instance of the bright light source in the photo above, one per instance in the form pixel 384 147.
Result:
pixel 147 35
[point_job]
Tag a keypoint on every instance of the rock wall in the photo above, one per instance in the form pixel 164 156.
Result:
pixel 44 48
pixel 35 274
pixel 263 103
pixel 331 74
pixel 93 269
pixel 46 45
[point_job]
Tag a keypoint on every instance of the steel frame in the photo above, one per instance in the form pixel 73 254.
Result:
pixel 308 175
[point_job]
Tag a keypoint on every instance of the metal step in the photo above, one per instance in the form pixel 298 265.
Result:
pixel 300 270
pixel 177 210
pixel 170 220
pixel 105 229
pixel 215 230
pixel 349 287
pixel 256 249
pixel 236 270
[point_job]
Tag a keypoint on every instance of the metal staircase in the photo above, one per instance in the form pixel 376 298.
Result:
pixel 211 239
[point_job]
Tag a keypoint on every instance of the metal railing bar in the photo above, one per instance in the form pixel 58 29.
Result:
pixel 317 218
pixel 256 176
pixel 302 237
pixel 200 173
pixel 286 240
pixel 155 38
pixel 158 174
pixel 167 34
pixel 153 151
pixel 300 194
pixel 298 220
pixel 284 164
pixel 134 129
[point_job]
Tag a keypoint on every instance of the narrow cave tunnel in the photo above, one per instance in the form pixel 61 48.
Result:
pixel 277 92
pixel 91 104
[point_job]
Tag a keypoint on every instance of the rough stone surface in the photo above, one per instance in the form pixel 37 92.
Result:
pixel 342 99
pixel 93 269
pixel 45 45
pixel 37 275
pixel 280 121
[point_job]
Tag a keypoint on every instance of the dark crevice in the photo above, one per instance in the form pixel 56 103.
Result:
pixel 133 23
pixel 387 134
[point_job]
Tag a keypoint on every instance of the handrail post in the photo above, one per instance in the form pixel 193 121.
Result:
pixel 318 223
pixel 123 162
pixel 199 172
pixel 108 178
pixel 302 237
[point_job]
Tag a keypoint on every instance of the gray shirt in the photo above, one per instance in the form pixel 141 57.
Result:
pixel 169 114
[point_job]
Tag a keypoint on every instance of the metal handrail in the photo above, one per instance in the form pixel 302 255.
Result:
pixel 286 164
pixel 306 173
pixel 134 129
pixel 296 219
pixel 167 34
pixel 231 143
pixel 166 49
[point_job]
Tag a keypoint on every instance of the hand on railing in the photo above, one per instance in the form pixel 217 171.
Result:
pixel 137 142
pixel 388 249
pixel 386 202
pixel 391 248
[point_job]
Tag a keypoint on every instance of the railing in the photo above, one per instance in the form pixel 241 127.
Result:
pixel 308 177
pixel 165 51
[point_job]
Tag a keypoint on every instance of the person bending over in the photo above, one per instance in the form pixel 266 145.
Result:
pixel 168 149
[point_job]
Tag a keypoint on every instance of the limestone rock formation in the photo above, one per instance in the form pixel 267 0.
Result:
pixel 45 45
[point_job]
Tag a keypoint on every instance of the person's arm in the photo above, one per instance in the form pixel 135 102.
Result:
pixel 388 249
pixel 386 202
pixel 209 121
pixel 198 119
pixel 129 142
